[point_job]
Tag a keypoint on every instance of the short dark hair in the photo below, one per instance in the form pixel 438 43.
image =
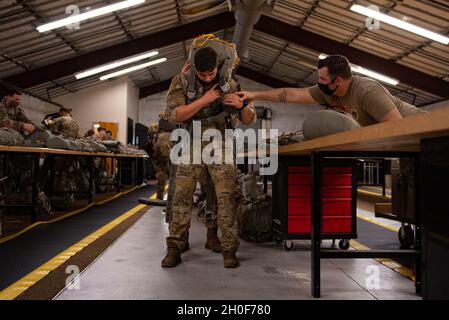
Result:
pixel 101 129
pixel 11 92
pixel 337 65
pixel 205 59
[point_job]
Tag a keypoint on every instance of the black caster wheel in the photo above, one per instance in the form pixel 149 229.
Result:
pixel 406 237
pixel 278 239
pixel 288 245
pixel 343 244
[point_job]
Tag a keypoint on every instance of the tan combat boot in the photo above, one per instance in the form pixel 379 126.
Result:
pixel 229 259
pixel 173 256
pixel 185 247
pixel 213 243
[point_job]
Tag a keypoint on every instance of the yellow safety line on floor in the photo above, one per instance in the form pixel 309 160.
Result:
pixel 393 265
pixel 38 274
pixel 67 215
pixel 374 194
pixel 383 225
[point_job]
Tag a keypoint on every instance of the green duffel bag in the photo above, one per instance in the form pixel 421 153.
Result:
pixel 10 137
pixel 38 139
pixel 325 122
pixel 76 144
pixel 97 146
pixel 58 142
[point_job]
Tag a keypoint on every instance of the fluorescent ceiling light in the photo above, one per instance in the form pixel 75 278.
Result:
pixel 400 23
pixel 367 72
pixel 115 64
pixel 131 69
pixel 88 15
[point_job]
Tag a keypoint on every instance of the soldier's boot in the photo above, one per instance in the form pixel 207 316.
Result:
pixel 229 259
pixel 160 193
pixel 173 256
pixel 213 243
pixel 185 247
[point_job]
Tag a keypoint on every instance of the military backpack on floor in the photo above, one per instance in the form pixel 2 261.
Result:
pixel 255 220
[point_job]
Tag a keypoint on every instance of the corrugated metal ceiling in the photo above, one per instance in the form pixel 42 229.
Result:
pixel 22 47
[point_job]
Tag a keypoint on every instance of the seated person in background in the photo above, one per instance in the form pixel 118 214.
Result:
pixel 366 100
pixel 64 123
pixel 101 134
pixel 89 134
pixel 109 133
pixel 12 116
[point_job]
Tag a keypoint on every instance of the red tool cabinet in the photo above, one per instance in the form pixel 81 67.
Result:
pixel 292 201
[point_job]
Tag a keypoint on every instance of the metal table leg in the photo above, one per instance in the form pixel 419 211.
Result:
pixel 418 284
pixel 316 224
pixel 91 179
pixel 35 175
pixel 119 174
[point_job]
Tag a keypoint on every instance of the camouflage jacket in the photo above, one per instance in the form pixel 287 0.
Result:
pixel 67 126
pixel 177 96
pixel 13 118
pixel 161 150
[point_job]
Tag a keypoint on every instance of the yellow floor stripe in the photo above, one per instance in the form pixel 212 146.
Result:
pixel 378 223
pixel 373 194
pixel 15 235
pixel 406 272
pixel 38 274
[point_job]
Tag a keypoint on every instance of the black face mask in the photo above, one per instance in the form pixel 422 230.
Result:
pixel 325 88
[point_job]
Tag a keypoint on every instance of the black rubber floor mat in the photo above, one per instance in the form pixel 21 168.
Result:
pixel 21 255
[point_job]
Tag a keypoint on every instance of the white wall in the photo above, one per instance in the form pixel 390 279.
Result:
pixel 150 106
pixel 104 102
pixel 286 117
pixel 438 105
pixel 36 109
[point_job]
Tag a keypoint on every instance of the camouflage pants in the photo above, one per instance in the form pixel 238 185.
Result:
pixel 161 177
pixel 223 177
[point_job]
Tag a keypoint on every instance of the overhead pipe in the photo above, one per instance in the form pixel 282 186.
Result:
pixel 247 14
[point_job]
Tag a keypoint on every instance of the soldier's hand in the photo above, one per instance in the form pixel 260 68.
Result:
pixel 233 100
pixel 29 127
pixel 211 95
pixel 185 68
pixel 245 95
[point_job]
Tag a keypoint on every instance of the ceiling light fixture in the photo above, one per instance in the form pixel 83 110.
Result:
pixel 400 24
pixel 115 64
pixel 132 69
pixel 372 74
pixel 88 15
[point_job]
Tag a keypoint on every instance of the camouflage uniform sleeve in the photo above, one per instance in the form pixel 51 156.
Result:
pixel 56 126
pixel 4 118
pixel 16 123
pixel 175 98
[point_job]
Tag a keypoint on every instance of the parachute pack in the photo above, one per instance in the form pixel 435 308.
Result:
pixel 227 61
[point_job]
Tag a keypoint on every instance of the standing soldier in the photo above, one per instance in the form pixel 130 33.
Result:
pixel 161 157
pixel 181 108
pixel 65 124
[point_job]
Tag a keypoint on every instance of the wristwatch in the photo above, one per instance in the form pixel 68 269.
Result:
pixel 245 104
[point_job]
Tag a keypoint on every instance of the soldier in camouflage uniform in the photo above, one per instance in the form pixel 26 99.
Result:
pixel 65 124
pixel 161 158
pixel 208 100
pixel 12 116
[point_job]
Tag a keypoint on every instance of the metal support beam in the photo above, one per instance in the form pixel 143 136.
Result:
pixel 92 59
pixel 319 43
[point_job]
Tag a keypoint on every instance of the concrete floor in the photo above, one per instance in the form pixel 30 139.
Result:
pixel 130 269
